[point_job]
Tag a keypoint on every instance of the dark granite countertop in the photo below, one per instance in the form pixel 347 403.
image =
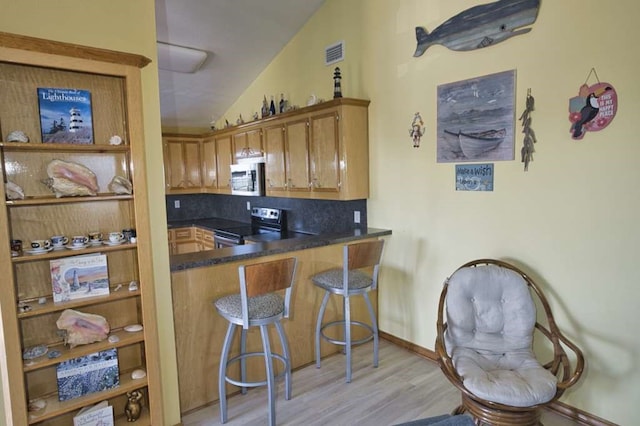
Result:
pixel 298 241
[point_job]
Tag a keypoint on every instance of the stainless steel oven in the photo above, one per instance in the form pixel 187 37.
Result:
pixel 263 221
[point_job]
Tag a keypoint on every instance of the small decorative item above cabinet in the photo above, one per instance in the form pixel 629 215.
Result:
pixel 320 151
pixel 33 335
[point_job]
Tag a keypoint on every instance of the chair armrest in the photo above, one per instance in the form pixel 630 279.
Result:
pixel 561 359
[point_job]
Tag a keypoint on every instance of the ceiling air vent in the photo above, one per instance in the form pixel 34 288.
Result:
pixel 334 53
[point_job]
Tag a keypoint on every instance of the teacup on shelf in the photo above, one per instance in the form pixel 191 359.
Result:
pixel 116 237
pixel 79 240
pixel 41 244
pixel 58 241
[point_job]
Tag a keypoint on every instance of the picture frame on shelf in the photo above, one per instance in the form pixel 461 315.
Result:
pixel 79 277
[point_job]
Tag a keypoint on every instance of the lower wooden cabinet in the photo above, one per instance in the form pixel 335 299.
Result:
pixel 189 240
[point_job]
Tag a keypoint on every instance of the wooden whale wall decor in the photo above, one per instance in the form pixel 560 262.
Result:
pixel 481 26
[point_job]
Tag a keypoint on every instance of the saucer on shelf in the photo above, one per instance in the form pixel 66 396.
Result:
pixel 95 243
pixel 113 243
pixel 62 247
pixel 75 247
pixel 38 251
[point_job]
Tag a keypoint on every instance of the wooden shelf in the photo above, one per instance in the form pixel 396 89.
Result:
pixel 50 306
pixel 56 254
pixel 48 200
pixel 55 408
pixel 126 339
pixel 62 147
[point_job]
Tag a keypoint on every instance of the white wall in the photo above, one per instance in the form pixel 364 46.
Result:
pixel 570 221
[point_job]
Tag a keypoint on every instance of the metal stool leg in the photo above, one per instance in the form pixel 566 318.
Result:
pixel 347 334
pixel 287 360
pixel 374 326
pixel 323 307
pixel 243 361
pixel 222 374
pixel 268 360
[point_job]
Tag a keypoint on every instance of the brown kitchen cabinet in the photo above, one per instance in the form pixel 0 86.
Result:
pixel 320 151
pixel 28 312
pixel 247 144
pixel 182 161
pixel 189 240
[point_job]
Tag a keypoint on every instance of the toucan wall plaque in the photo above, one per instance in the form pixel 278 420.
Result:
pixel 593 109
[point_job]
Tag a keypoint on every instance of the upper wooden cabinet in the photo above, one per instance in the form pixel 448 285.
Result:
pixel 320 151
pixel 31 304
pixel 182 160
pixel 247 144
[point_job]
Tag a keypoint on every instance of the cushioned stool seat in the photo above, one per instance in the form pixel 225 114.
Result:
pixel 259 304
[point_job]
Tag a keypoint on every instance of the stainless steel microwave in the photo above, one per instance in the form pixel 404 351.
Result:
pixel 247 177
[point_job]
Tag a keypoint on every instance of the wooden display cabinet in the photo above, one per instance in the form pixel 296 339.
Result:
pixel 113 79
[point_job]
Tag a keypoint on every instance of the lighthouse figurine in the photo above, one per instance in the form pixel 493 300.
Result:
pixel 337 90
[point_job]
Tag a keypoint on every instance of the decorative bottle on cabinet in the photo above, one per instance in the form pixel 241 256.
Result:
pixel 29 314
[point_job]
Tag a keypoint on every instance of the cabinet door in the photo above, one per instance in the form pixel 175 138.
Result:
pixel 274 147
pixel 223 161
pixel 182 164
pixel 247 144
pixel 209 165
pixel 324 149
pixel 297 155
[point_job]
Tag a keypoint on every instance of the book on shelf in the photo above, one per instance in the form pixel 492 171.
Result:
pixel 78 277
pixel 65 115
pixel 100 414
pixel 87 374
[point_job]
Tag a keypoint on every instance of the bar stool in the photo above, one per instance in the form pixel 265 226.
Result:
pixel 349 281
pixel 259 304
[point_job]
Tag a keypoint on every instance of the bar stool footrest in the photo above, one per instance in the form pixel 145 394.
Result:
pixel 254 384
pixel 342 342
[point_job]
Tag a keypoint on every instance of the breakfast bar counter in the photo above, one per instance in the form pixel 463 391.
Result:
pixel 197 279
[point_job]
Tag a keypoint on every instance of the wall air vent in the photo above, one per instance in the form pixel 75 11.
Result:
pixel 334 53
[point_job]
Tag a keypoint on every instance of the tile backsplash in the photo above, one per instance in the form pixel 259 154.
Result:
pixel 314 216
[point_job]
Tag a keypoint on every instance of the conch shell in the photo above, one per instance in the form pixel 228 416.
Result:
pixel 120 185
pixel 67 178
pixel 82 328
pixel 13 191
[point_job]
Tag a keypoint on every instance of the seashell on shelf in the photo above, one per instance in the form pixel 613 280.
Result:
pixel 13 191
pixel 82 328
pixel 17 136
pixel 68 179
pixel 115 140
pixel 120 185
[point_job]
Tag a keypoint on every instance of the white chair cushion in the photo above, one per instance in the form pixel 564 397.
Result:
pixel 514 378
pixel 491 318
pixel 489 308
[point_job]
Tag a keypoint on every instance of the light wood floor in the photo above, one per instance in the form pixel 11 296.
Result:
pixel 403 388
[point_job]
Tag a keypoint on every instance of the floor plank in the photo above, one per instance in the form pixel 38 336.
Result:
pixel 403 388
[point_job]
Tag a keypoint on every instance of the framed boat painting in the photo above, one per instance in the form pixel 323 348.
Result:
pixel 476 119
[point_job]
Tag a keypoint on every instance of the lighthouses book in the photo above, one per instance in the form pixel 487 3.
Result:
pixel 65 116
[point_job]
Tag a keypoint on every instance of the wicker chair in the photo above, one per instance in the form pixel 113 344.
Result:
pixel 485 347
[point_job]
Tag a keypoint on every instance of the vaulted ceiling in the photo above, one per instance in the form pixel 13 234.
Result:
pixel 241 38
